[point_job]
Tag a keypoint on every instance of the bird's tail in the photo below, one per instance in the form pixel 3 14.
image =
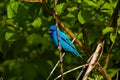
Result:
pixel 77 54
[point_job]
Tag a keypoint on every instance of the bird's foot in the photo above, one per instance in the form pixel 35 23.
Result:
pixel 59 48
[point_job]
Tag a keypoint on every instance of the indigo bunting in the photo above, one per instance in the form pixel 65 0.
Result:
pixel 65 42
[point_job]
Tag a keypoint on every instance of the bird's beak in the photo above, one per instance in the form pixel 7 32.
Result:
pixel 49 31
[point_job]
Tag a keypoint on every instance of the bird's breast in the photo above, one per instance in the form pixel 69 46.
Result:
pixel 54 40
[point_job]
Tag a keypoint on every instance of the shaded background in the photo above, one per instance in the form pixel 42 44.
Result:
pixel 26 52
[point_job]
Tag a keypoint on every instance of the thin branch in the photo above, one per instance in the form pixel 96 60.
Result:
pixel 53 70
pixel 58 37
pixel 117 76
pixel 71 70
pixel 101 53
pixel 93 60
pixel 83 69
pixel 103 71
pixel 112 23
pixel 61 66
pixel 80 76
pixel 113 20
pixel 1 78
pixel 57 64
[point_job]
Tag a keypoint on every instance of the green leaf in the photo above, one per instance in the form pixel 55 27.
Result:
pixel 91 3
pixel 112 37
pixel 3 30
pixel 77 1
pixel 12 9
pixel 37 23
pixel 18 45
pixel 107 30
pixel 33 40
pixel 118 31
pixel 80 18
pixel 5 47
pixel 108 8
pixel 72 9
pixel 83 16
pixel 70 15
pixel 112 72
pixel 60 8
pixel 80 36
pixel 29 71
pixel 8 35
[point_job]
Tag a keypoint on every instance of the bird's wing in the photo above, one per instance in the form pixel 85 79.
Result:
pixel 71 47
pixel 66 39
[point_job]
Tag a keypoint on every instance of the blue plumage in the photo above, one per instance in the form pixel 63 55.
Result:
pixel 65 42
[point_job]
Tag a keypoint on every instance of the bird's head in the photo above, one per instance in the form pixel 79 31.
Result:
pixel 52 29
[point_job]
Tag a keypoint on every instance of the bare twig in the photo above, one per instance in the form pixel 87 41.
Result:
pixel 93 60
pixel 101 53
pixel 1 78
pixel 117 76
pixel 57 64
pixel 103 71
pixel 53 70
pixel 76 68
pixel 58 37
pixel 84 68
pixel 110 48
pixel 112 23
pixel 80 74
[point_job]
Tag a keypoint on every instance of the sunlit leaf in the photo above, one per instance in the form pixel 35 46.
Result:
pixel 83 16
pixel 37 23
pixel 72 9
pixel 107 30
pixel 112 37
pixel 91 3
pixel 80 18
pixel 70 15
pixel 12 9
pixel 8 35
pixel 33 1
pixel 60 8
pixel 112 72
pixel 119 31
pixel 108 8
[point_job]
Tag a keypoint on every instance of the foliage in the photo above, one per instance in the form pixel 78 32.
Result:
pixel 26 52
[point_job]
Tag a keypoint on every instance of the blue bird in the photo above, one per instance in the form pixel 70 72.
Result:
pixel 65 42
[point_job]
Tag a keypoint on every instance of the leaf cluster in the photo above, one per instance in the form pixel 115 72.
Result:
pixel 26 52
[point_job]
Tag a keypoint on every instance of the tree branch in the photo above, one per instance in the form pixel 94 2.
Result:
pixel 112 23
pixel 57 64
pixel 58 37
pixel 103 71
pixel 76 68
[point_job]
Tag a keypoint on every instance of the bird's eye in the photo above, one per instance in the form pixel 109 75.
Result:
pixel 52 30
